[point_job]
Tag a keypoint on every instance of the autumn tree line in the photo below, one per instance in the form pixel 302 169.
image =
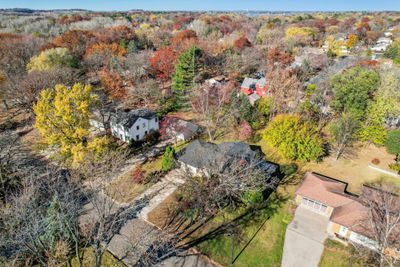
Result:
pixel 56 70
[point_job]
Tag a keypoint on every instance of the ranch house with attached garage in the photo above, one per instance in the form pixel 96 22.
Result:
pixel 348 217
pixel 133 125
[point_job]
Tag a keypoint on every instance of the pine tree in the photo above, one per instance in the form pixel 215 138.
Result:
pixel 186 69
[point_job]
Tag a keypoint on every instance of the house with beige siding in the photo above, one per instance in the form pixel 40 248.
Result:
pixel 346 213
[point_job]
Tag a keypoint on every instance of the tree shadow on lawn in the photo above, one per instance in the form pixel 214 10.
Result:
pixel 237 228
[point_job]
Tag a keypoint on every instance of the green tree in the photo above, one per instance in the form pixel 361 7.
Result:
pixel 393 52
pixel 294 138
pixel 373 130
pixel 353 90
pixel 388 91
pixel 264 106
pixel 50 58
pixel 62 118
pixel 168 159
pixel 308 108
pixel 186 69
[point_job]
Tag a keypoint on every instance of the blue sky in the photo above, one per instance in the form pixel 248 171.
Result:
pixel 270 5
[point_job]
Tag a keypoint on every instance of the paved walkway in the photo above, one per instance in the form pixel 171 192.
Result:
pixel 161 191
pixel 304 239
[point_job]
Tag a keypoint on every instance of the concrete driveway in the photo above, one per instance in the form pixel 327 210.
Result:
pixel 304 239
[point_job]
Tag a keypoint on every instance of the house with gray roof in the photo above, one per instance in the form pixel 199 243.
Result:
pixel 203 157
pixel 133 125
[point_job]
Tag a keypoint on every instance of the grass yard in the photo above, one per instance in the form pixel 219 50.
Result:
pixel 354 169
pixel 124 189
pixel 262 246
pixel 261 241
pixel 338 255
pixel 108 260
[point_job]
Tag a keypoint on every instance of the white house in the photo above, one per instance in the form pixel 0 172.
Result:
pixel 133 125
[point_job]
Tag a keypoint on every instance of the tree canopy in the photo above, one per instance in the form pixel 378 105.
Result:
pixel 353 89
pixel 51 58
pixel 294 138
pixel 62 118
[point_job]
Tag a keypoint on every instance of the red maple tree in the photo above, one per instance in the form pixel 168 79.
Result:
pixel 163 62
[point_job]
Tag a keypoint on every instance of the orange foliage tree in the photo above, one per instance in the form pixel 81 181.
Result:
pixel 163 63
pixel 277 56
pixel 113 84
pixel 241 43
pixel 75 41
pixel 102 48
pixel 184 39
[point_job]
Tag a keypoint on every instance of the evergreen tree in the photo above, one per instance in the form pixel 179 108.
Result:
pixel 168 159
pixel 186 69
pixel 54 225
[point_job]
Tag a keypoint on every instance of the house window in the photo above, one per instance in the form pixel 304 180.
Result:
pixel 137 137
pixel 156 119
pixel 145 132
pixel 137 127
pixel 342 230
pixel 144 124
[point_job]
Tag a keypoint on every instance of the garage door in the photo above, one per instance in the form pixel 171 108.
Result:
pixel 314 205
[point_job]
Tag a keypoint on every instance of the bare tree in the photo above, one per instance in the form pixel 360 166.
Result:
pixel 286 90
pixel 382 222
pixel 344 133
pixel 210 102
pixel 23 93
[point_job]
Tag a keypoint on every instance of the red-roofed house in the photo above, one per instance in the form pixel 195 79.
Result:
pixel 258 86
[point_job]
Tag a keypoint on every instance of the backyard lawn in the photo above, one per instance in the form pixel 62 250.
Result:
pixel 264 234
pixel 354 169
pixel 338 255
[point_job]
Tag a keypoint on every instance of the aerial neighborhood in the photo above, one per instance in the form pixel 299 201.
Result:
pixel 191 138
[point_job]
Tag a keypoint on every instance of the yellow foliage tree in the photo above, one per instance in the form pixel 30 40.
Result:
pixel 334 45
pixel 300 34
pixel 51 58
pixel 352 40
pixel 62 118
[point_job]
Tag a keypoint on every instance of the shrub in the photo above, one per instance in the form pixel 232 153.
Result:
pixel 245 131
pixel 138 175
pixel 48 59
pixel 168 159
pixel 375 161
pixel 288 169
pixel 393 142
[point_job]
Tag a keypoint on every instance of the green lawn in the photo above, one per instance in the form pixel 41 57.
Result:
pixel 261 243
pixel 338 255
